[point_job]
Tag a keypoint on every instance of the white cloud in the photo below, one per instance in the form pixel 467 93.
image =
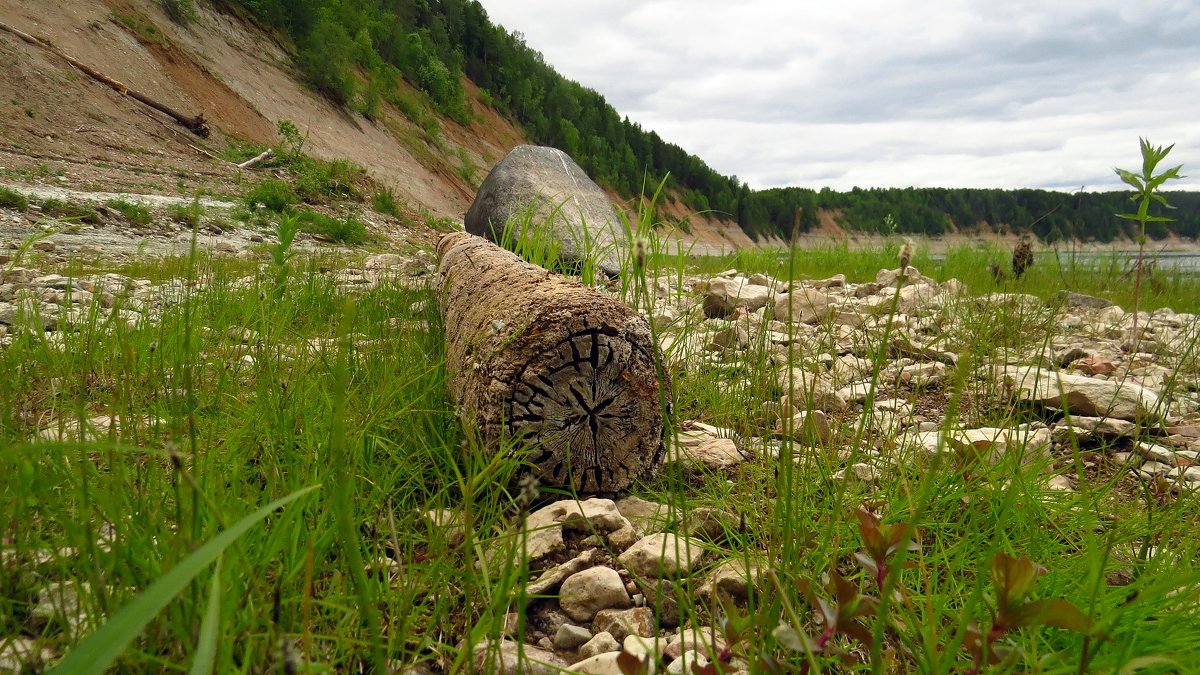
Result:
pixel 973 93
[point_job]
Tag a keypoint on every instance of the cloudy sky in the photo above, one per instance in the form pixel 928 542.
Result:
pixel 875 93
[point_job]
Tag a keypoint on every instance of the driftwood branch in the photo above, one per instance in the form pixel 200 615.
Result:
pixel 256 160
pixel 539 362
pixel 196 124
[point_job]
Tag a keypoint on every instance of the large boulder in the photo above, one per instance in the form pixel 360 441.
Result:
pixel 537 186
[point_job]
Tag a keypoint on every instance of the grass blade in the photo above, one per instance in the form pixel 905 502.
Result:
pixel 100 649
pixel 206 650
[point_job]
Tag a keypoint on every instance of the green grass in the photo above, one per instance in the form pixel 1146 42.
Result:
pixel 136 214
pixel 346 230
pixel 69 211
pixel 187 214
pixel 11 199
pixel 267 379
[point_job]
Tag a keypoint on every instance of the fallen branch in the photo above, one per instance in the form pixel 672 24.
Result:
pixel 256 160
pixel 196 124
pixel 551 366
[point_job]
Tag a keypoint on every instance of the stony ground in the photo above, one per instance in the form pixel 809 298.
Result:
pixel 610 570
pixel 605 573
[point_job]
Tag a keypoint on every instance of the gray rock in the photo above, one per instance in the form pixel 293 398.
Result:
pixel 1084 428
pixel 1079 394
pixel 534 185
pixel 1072 299
pixel 23 655
pixel 63 600
pixel 865 473
pixel 570 637
pixel 545 526
pixel 589 591
pixel 809 427
pixel 835 281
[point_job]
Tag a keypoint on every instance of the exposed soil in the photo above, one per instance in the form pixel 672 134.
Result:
pixel 62 128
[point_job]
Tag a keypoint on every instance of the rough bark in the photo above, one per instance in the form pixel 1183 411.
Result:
pixel 551 365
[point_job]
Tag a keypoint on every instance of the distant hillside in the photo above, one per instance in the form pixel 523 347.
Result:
pixel 432 44
pixel 424 95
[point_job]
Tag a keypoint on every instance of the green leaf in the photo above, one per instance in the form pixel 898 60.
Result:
pixel 793 639
pixel 1131 178
pixel 206 649
pixel 1014 578
pixel 1051 612
pixel 97 652
pixel 1142 662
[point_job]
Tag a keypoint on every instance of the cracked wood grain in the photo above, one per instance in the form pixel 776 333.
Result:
pixel 551 367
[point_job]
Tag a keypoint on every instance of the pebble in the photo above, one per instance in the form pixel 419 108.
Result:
pixel 601 643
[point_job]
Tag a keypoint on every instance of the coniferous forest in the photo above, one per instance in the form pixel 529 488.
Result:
pixel 355 51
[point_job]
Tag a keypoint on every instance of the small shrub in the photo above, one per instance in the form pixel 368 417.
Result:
pixel 384 202
pixel 56 208
pixel 136 214
pixel 291 141
pixel 318 181
pixel 187 214
pixel 272 194
pixel 346 230
pixel 145 31
pixel 11 199
pixel 181 12
pixel 466 169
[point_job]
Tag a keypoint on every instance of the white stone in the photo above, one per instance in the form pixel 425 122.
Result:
pixel 684 664
pixel 865 473
pixel 727 295
pixel 508 658
pixel 804 305
pixel 603 664
pixel 587 592
pixel 601 643
pixel 700 449
pixel 662 555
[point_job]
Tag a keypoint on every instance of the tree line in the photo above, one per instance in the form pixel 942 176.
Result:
pixel 355 51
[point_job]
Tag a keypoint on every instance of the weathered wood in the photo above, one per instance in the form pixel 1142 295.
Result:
pixel 257 159
pixel 196 124
pixel 551 365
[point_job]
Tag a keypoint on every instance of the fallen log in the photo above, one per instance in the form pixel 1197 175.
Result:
pixel 539 362
pixel 196 124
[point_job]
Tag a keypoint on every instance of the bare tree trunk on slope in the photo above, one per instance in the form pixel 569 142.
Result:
pixel 534 356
